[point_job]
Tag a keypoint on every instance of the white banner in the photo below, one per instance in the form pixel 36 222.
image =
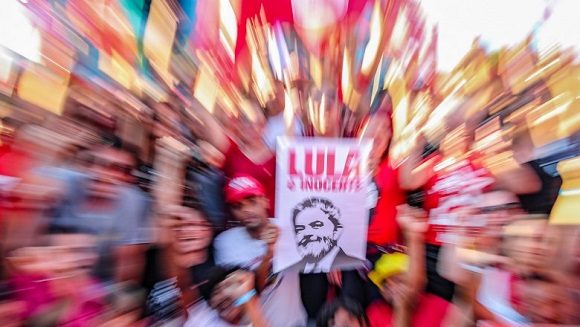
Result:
pixel 321 190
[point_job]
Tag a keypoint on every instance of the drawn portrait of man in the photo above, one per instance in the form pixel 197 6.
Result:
pixel 317 229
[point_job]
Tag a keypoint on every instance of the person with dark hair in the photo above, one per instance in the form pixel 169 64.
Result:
pixel 317 230
pixel 229 299
pixel 251 246
pixel 185 263
pixel 342 312
pixel 384 194
pixel 102 198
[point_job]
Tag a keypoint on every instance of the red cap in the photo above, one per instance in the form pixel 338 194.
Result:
pixel 241 187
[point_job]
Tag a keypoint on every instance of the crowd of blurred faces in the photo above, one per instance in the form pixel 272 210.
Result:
pixel 450 242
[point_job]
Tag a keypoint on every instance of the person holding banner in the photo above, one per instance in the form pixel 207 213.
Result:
pixel 383 197
pixel 252 247
pixel 377 200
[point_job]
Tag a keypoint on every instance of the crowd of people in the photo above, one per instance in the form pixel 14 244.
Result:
pixel 450 242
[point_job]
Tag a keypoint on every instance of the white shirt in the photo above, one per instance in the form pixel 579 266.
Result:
pixel 281 302
pixel 237 248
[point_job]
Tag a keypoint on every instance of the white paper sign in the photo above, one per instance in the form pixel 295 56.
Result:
pixel 321 194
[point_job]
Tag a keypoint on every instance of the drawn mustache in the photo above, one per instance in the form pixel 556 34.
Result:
pixel 309 239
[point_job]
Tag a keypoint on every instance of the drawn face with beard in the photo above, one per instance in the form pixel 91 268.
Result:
pixel 316 227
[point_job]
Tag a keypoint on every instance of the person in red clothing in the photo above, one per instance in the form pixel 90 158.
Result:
pixel 384 197
pixel 404 302
pixel 383 229
pixel 452 180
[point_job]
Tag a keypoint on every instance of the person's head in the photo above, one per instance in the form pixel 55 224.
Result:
pixel 529 243
pixel 110 165
pixel 378 129
pixel 71 251
pixel 317 227
pixel 495 210
pixel 71 154
pixel 191 232
pixel 545 300
pixel 390 271
pixel 247 201
pixel 342 312
pixel 219 293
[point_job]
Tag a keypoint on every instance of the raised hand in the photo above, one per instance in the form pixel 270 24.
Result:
pixel 239 283
pixel 412 220
pixel 270 235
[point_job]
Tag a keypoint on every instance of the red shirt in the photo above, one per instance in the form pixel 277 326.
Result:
pixel 430 311
pixel 453 187
pixel 265 173
pixel 383 228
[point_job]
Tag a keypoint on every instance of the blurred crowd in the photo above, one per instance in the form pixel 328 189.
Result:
pixel 92 235
pixel 138 166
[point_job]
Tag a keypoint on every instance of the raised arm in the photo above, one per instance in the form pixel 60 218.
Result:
pixel 413 172
pixel 269 235
pixel 242 290
pixel 519 180
pixel 206 127
pixel 414 225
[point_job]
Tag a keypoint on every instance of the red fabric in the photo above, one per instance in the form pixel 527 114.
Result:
pixel 36 294
pixel 15 164
pixel 275 11
pixel 237 163
pixel 383 228
pixel 430 311
pixel 457 184
pixel 242 187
